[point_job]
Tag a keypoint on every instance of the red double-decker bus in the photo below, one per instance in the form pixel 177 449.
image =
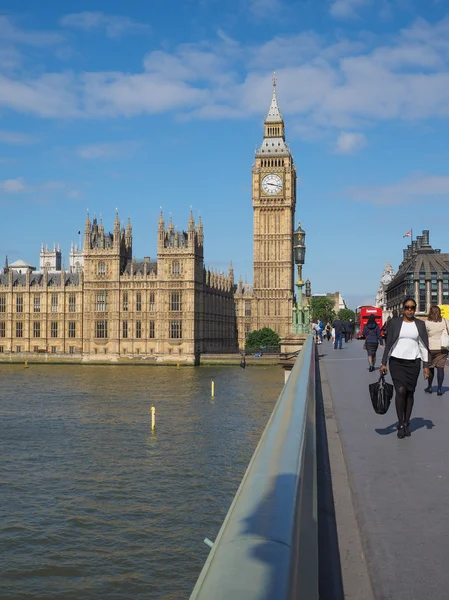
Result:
pixel 361 317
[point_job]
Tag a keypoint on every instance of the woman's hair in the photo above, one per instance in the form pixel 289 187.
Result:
pixel 371 319
pixel 409 299
pixel 434 313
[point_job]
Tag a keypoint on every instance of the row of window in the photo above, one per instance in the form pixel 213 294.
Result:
pixel 54 300
pixel 175 268
pixel 175 329
pixel 101 329
pixel 274 162
pixel 54 349
pixel 102 304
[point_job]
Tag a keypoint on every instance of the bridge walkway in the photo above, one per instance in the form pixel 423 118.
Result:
pixel 400 488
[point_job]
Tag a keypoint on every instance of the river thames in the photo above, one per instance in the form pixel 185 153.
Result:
pixel 96 505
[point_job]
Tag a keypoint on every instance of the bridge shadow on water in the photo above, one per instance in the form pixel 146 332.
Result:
pixel 415 424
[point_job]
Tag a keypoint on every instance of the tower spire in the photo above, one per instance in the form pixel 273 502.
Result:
pixel 274 114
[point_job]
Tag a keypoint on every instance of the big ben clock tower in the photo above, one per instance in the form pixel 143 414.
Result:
pixel 274 200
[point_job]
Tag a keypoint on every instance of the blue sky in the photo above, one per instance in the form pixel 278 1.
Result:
pixel 138 105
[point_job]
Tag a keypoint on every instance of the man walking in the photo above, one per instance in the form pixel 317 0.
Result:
pixel 347 326
pixel 338 326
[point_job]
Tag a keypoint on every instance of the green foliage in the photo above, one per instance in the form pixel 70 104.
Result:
pixel 323 309
pixel 346 314
pixel 262 337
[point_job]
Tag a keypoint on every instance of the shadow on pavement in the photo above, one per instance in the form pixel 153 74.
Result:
pixel 329 565
pixel 415 424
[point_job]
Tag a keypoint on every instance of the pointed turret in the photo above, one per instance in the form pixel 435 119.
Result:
pixel 200 232
pixel 116 230
pixel 6 267
pixel 274 114
pixel 191 221
pixel 161 231
pixel 273 143
pixel 87 229
pixel 129 237
pixel 171 227
pixel 231 273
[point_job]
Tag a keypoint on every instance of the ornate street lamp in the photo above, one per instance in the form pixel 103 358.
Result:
pixel 301 318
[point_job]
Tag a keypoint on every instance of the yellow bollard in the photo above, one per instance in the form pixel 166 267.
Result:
pixel 177 366
pixel 26 364
pixel 212 388
pixel 153 417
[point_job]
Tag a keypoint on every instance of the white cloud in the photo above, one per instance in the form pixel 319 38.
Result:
pixel 13 186
pixel 10 33
pixel 419 187
pixel 343 84
pixel 15 138
pixel 114 25
pixel 347 9
pixel 38 191
pixel 349 143
pixel 262 9
pixel 108 150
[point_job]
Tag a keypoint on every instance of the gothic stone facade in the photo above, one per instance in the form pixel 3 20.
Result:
pixel 109 306
pixel 167 310
pixel 269 301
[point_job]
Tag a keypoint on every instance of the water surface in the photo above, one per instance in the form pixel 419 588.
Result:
pixel 93 504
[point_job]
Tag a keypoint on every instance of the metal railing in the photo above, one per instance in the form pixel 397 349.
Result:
pixel 267 547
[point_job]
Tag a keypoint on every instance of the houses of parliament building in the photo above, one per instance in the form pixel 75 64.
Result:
pixel 108 306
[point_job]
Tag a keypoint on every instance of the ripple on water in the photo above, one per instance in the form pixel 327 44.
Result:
pixel 95 504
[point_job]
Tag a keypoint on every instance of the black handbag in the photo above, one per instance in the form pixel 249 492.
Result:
pixel 381 394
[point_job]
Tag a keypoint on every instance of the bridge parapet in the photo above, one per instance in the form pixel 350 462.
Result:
pixel 267 547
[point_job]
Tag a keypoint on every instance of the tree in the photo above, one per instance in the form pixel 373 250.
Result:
pixel 262 337
pixel 322 309
pixel 346 314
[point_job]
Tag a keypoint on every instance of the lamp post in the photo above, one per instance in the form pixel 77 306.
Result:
pixel 301 318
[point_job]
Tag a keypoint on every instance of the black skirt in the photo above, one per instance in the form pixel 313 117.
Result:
pixel 404 373
pixel 371 348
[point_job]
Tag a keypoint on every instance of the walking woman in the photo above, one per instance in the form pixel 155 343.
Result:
pixel 435 326
pixel 407 345
pixel 373 338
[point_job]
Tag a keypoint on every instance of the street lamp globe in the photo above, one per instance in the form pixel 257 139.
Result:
pixel 299 245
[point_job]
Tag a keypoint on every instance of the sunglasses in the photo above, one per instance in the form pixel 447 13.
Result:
pixel 409 307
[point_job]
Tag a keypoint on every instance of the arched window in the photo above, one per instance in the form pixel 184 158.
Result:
pixel 101 268
pixel 175 268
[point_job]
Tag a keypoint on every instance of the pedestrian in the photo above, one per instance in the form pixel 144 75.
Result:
pixel 315 329
pixel 328 331
pixel 435 326
pixel 347 325
pixel 407 345
pixel 384 328
pixel 373 338
pixel 338 326
pixel 320 330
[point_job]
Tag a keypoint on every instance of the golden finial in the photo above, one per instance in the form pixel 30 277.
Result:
pixel 274 78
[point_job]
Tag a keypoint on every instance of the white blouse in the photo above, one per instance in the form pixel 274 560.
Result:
pixel 407 345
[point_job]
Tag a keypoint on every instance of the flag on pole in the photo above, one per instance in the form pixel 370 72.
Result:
pixel 408 234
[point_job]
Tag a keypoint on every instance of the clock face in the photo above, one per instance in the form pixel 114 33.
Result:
pixel 272 184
